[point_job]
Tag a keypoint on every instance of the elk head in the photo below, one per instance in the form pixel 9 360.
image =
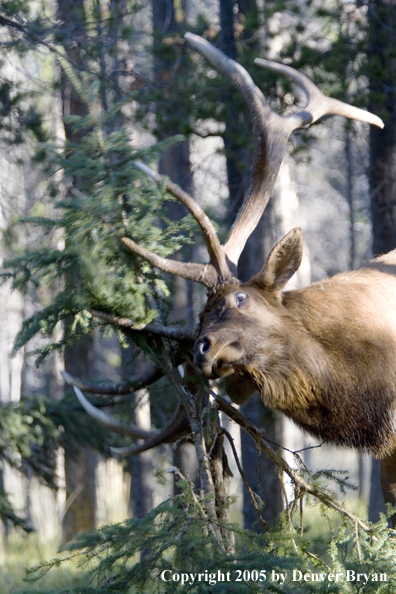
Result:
pixel 237 319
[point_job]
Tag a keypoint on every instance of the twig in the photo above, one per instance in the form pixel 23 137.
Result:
pixel 149 560
pixel 289 511
pixel 248 487
pixel 279 461
pixel 152 328
pixel 301 516
pixel 357 543
pixel 176 471
pixel 136 382
pixel 190 403
pixel 317 559
pixel 110 580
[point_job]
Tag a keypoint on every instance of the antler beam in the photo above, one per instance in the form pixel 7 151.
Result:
pixel 216 253
pixel 177 426
pixel 271 134
pixel 202 273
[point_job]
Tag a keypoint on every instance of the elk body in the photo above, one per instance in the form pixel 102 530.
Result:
pixel 324 355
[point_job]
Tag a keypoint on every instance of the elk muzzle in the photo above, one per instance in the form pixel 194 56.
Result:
pixel 216 354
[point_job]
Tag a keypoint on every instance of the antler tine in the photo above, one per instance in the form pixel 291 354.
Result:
pixel 271 133
pixel 216 253
pixel 318 103
pixel 177 425
pixel 141 380
pixel 109 421
pixel 202 273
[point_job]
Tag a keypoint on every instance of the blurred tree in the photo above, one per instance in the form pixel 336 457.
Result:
pixel 171 72
pixel 240 28
pixel 381 70
pixel 80 467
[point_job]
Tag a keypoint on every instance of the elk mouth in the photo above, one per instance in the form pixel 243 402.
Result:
pixel 215 359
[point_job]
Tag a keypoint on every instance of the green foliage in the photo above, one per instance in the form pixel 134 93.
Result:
pixel 28 436
pixel 174 539
pixel 28 440
pixel 80 257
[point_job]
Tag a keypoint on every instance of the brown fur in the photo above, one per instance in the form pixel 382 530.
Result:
pixel 324 355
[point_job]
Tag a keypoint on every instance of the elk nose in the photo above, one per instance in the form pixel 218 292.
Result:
pixel 204 346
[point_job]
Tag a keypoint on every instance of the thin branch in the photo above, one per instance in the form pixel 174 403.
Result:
pixel 296 478
pixel 190 402
pixel 176 471
pixel 357 543
pixel 136 382
pixel 152 328
pixel 301 516
pixel 216 252
pixel 317 559
pixel 248 487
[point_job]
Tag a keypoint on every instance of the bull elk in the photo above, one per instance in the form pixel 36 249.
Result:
pixel 324 355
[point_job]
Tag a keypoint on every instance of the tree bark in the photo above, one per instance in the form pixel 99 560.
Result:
pixel 80 469
pixel 175 164
pixel 382 76
pixel 259 470
pixel 141 466
pixel 382 172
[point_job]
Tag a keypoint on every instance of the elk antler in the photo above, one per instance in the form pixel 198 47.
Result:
pixel 176 427
pixel 271 134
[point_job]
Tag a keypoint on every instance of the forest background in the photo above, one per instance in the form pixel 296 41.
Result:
pixel 89 90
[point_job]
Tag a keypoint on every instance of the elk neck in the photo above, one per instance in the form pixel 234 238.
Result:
pixel 331 373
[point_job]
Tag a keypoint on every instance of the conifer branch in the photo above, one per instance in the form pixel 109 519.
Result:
pixel 190 402
pixel 236 416
pixel 243 476
pixel 136 382
pixel 173 333
pixel 201 509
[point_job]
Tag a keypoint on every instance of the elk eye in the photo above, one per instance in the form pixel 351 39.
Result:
pixel 240 298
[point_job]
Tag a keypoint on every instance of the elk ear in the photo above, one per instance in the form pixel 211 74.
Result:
pixel 283 261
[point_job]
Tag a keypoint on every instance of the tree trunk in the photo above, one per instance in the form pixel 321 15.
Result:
pixel 79 469
pixel 141 466
pixel 382 172
pixel 260 471
pixel 175 164
pixel 382 76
